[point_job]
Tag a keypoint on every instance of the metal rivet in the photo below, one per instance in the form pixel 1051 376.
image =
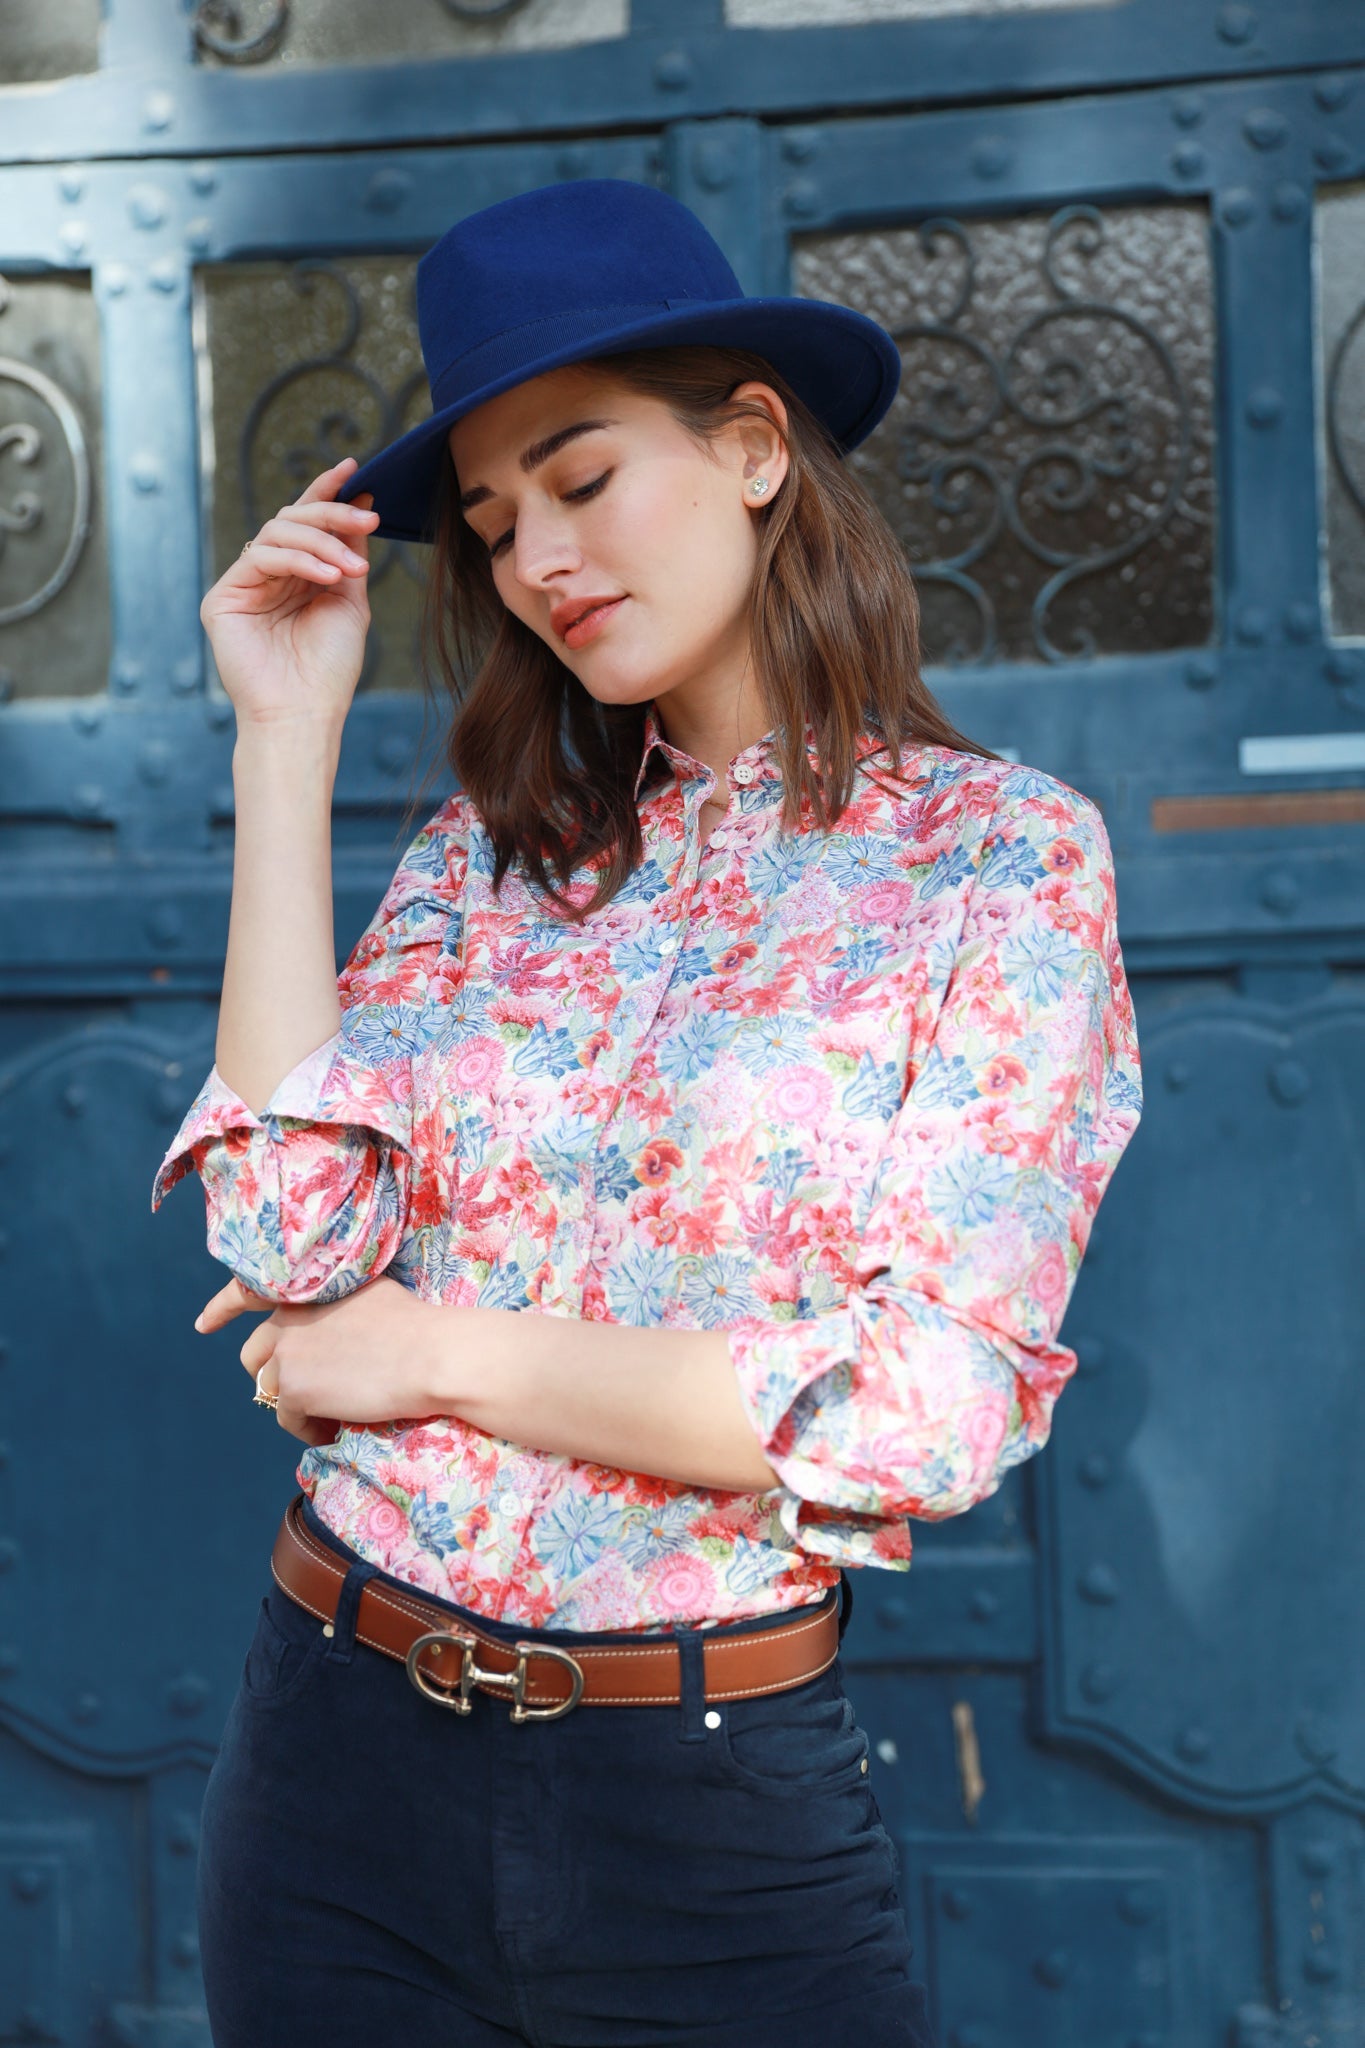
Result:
pixel 573 162
pixel 185 674
pixel 88 717
pixel 1093 1470
pixel 800 144
pixel 1188 160
pixel 1099 1583
pixel 992 157
pixel 29 1882
pixel 147 206
pixel 203 178
pixel 1193 1744
pixel 1187 110
pixel 1090 1353
pixel 1331 92
pixel 188 1694
pixel 144 473
pixel 802 198
pixel 158 111
pixel 1320 1966
pixel 154 760
pixel 893 1612
pixel 165 924
pixel 1054 1969
pixel 956 1903
pixel 1288 201
pixel 115 279
pixel 73 236
pixel 1300 621
pixel 713 163
pixel 1265 128
pixel 984 1605
pixel 1280 892
pixel 328 1628
pixel 127 673
pixel 73 1098
pixel 198 233
pixel 71 184
pixel 1253 625
pixel 864 1767
pixel 218 711
pixel 1137 1905
pixel 673 72
pixel 712 1718
pixel 9 1553
pixel 1314 1739
pixel 388 190
pixel 164 274
pixel 1201 672
pixel 1237 207
pixel 186 1948
pixel 1264 406
pixel 1178 1076
pixel 1331 153
pixel 182 1835
pixel 1317 1859
pixel 1236 23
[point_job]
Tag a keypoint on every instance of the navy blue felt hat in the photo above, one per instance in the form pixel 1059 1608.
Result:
pixel 591 267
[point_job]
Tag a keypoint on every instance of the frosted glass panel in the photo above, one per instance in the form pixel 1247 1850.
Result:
pixel 300 364
pixel 1341 331
pixel 54 578
pixel 310 32
pixel 47 39
pixel 1048 460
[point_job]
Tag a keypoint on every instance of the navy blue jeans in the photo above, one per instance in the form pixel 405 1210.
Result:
pixel 377 1870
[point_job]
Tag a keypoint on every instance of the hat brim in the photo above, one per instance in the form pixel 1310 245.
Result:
pixel 840 363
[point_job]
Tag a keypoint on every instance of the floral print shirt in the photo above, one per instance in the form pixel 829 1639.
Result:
pixel 852 1098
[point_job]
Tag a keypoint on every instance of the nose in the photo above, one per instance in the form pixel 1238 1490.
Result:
pixel 543 548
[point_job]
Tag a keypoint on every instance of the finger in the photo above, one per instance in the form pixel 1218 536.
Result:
pixel 284 532
pixel 259 1347
pixel 330 516
pixel 365 500
pixel 276 563
pixel 232 1300
pixel 330 481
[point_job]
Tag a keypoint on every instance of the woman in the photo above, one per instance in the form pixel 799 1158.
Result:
pixel 678 1192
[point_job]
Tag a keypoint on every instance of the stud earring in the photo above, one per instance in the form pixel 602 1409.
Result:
pixel 759 484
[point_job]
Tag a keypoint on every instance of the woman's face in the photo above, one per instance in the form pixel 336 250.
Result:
pixel 619 503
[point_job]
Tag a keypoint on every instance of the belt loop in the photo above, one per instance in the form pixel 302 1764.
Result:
pixel 342 1645
pixel 692 1683
pixel 845 1602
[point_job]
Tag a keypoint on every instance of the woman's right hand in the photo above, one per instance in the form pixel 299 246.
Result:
pixel 287 621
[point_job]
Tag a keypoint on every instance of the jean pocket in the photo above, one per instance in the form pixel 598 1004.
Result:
pixel 284 1653
pixel 803 1741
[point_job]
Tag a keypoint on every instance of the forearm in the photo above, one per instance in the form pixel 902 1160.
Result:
pixel 279 979
pixel 664 1402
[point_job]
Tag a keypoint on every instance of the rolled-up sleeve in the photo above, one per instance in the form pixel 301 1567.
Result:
pixel 308 1200
pixel 940 1369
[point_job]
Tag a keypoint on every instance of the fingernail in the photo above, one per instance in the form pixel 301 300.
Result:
pixel 199 1322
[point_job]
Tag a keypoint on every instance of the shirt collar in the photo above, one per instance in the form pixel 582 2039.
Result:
pixel 761 757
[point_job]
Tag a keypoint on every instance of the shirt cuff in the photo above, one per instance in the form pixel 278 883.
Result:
pixel 328 1086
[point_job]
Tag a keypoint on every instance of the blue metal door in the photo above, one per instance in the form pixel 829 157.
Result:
pixel 1116 1710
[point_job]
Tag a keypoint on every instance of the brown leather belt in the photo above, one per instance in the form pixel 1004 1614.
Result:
pixel 446 1660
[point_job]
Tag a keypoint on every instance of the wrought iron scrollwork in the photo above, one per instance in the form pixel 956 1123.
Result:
pixel 224 29
pixel 26 444
pixel 1092 435
pixel 1352 484
pixel 221 28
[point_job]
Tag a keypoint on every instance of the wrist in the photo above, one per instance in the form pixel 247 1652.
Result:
pixel 299 746
pixel 456 1346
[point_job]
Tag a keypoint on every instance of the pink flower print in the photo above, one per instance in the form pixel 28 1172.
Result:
pixel 658 1162
pixel 1049 1280
pixel 683 1584
pixel 1001 1074
pixel 885 902
pixel 385 1521
pixel 1058 904
pixel 1063 857
pixel 801 1095
pixel 983 1432
pixel 476 1064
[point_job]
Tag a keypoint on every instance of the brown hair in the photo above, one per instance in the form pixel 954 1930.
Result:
pixel 834 630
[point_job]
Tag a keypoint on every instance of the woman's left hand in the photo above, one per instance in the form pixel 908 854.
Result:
pixel 365 1358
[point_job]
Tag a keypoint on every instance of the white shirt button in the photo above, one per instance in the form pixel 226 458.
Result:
pixel 511 1504
pixel 712 1719
pixel 744 773
pixel 668 945
pixel 718 839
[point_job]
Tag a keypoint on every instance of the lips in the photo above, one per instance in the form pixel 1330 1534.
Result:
pixel 564 617
pixel 590 622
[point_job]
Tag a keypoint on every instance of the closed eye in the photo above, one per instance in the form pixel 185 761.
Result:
pixel 583 491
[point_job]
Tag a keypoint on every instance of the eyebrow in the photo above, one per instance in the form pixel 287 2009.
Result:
pixel 538 452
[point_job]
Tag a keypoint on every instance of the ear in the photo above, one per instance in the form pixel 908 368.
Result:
pixel 759 446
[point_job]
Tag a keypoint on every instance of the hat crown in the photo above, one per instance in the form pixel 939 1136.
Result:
pixel 561 252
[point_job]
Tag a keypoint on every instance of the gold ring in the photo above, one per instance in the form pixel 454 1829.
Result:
pixel 245 545
pixel 260 1397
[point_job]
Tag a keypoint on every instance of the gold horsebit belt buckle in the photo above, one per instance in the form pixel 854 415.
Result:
pixel 473 1673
